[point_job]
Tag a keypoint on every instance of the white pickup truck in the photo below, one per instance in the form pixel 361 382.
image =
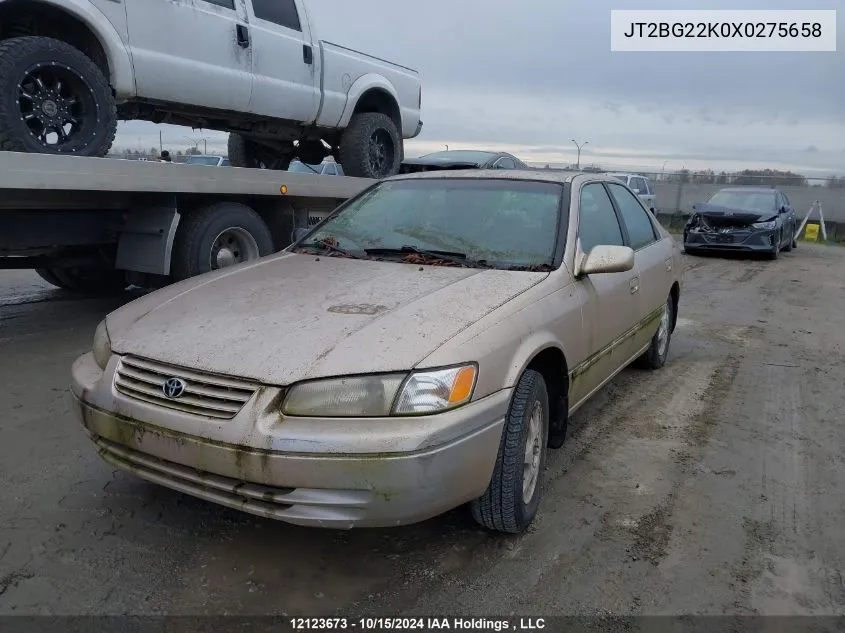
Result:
pixel 70 69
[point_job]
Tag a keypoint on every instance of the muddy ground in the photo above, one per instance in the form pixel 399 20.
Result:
pixel 716 485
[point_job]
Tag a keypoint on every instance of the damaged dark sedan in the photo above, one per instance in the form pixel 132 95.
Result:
pixel 749 219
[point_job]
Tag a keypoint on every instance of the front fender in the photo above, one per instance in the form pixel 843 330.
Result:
pixel 361 85
pixel 121 72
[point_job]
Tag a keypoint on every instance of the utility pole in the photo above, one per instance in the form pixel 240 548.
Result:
pixel 160 143
pixel 578 164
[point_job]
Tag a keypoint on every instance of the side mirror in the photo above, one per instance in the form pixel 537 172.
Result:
pixel 607 259
pixel 299 233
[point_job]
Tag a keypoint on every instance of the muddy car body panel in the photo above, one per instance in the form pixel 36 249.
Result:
pixel 759 220
pixel 285 399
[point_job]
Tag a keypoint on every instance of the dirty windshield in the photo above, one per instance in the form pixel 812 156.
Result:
pixel 478 222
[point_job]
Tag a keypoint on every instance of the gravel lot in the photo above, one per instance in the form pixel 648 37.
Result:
pixel 713 486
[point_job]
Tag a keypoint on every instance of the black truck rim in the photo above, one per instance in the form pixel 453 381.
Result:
pixel 58 107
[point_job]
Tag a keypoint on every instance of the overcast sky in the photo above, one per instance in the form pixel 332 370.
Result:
pixel 529 76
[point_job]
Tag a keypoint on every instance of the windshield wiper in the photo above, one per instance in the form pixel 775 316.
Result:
pixel 326 245
pixel 455 257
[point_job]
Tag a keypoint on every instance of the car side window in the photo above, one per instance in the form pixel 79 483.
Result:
pixel 227 4
pixel 281 12
pixel 637 183
pixel 330 170
pixel 225 163
pixel 640 229
pixel 505 163
pixel 785 199
pixel 597 223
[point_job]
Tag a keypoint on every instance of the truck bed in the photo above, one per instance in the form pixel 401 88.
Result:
pixel 33 172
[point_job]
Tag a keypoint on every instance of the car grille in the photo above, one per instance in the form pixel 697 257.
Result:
pixel 205 394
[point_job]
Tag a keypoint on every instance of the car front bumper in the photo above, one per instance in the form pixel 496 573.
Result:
pixel 750 240
pixel 313 472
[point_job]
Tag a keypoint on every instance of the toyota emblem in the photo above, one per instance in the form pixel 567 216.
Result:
pixel 173 387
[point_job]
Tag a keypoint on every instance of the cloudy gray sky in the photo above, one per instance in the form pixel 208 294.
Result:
pixel 529 76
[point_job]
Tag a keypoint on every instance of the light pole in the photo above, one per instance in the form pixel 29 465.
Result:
pixel 446 146
pixel 578 163
pixel 663 169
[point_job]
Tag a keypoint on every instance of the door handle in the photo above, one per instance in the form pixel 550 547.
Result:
pixel 243 35
pixel 635 285
pixel 307 54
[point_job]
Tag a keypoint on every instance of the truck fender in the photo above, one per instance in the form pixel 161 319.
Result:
pixel 359 87
pixel 122 75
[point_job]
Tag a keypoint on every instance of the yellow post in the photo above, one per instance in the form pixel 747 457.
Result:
pixel 811 232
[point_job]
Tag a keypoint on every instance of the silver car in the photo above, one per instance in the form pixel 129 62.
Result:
pixel 418 350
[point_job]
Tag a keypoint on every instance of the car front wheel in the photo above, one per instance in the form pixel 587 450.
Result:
pixel 655 356
pixel 511 500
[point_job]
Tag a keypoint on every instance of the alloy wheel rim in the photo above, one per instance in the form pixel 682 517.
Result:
pixel 533 450
pixel 58 107
pixel 663 331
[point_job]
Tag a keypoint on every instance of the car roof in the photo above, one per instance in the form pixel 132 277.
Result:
pixel 542 175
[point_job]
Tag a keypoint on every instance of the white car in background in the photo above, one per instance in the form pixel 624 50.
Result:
pixel 640 185
pixel 207 160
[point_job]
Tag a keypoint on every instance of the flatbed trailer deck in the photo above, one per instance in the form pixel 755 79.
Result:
pixel 100 224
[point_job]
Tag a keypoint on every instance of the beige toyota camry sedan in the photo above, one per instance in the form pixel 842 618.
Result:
pixel 420 349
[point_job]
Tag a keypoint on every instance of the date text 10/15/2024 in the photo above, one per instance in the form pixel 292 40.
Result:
pixel 432 623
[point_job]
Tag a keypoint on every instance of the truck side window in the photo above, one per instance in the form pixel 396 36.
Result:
pixel 281 12
pixel 226 4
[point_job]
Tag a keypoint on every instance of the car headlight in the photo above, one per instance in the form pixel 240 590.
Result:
pixel 102 345
pixel 421 392
pixel 765 225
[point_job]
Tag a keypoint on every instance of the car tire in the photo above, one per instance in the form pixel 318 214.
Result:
pixel 371 146
pixel 246 153
pixel 71 84
pixel 220 235
pixel 503 506
pixel 788 248
pixel 775 252
pixel 87 281
pixel 658 350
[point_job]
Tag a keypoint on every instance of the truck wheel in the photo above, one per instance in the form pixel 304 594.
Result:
pixel 513 496
pixel 371 147
pixel 244 152
pixel 219 236
pixel 85 280
pixel 53 100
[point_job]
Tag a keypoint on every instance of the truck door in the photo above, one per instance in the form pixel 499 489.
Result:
pixel 191 51
pixel 285 64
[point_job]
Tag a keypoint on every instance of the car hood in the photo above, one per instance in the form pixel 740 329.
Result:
pixel 720 215
pixel 293 316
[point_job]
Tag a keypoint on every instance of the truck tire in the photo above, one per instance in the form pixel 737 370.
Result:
pixel 371 146
pixel 244 152
pixel 504 507
pixel 53 100
pixel 90 281
pixel 218 236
